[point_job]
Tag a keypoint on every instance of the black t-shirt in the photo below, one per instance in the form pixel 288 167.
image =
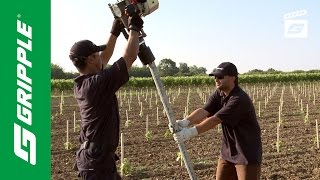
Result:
pixel 241 140
pixel 95 94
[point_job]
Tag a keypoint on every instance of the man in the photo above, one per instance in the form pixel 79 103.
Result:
pixel 241 149
pixel 95 90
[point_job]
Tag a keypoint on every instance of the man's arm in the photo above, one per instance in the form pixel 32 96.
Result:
pixel 208 124
pixel 188 133
pixel 107 53
pixel 131 52
pixel 197 116
pixel 132 49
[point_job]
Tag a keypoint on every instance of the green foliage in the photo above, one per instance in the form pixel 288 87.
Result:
pixel 126 167
pixel 167 67
pixel 57 72
pixel 62 84
pixel 167 134
pixel 149 135
pixel 255 71
pixel 306 119
pixel 259 71
pixel 203 80
pixel 278 145
pixel 128 123
pixel 278 77
pixel 67 145
pixel 139 71
pixel 184 69
pixel 194 70
pixel 78 127
pixel 179 158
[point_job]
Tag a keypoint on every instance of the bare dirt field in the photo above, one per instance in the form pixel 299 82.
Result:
pixel 156 157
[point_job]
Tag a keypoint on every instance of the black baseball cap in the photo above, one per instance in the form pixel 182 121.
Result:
pixel 225 68
pixel 84 48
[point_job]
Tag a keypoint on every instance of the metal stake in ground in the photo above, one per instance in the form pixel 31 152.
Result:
pixel 147 58
pixel 170 115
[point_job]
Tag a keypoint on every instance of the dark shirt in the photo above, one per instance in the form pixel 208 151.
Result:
pixel 95 94
pixel 241 140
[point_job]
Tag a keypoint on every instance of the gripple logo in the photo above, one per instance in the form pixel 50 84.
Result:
pixel 294 27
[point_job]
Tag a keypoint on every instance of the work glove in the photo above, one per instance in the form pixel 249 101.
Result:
pixel 117 26
pixel 183 123
pixel 135 22
pixel 185 134
pixel 180 124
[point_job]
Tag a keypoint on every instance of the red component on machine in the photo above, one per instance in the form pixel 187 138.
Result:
pixel 133 1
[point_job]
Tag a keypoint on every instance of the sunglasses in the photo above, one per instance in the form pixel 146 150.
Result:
pixel 219 77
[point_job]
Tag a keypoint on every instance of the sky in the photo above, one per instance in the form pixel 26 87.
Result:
pixel 251 34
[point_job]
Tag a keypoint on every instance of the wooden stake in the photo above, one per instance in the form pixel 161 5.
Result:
pixel 62 98
pixel 259 110
pixel 265 102
pixel 280 115
pixel 147 124
pixel 150 105
pixel 141 112
pixel 127 115
pixel 122 152
pixel 130 96
pixel 67 131
pixel 307 114
pixel 158 123
pixel 278 138
pixel 74 121
pixel 317 129
pixel 61 108
pixel 129 106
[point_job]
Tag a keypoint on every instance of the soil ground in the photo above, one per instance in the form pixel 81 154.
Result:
pixel 156 158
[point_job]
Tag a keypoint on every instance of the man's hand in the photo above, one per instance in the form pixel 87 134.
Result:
pixel 180 124
pixel 135 22
pixel 183 123
pixel 185 134
pixel 117 26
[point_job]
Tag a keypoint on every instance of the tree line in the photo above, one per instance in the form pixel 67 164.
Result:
pixel 273 71
pixel 167 67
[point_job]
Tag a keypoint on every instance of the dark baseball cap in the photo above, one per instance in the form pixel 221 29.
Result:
pixel 225 68
pixel 84 48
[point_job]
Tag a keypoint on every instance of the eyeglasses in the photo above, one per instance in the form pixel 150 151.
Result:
pixel 219 77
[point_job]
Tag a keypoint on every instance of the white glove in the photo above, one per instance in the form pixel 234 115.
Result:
pixel 185 134
pixel 180 124
pixel 183 123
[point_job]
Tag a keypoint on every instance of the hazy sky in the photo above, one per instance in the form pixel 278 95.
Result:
pixel 251 34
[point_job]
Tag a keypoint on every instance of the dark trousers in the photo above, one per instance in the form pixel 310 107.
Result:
pixel 230 171
pixel 100 168
pixel 99 175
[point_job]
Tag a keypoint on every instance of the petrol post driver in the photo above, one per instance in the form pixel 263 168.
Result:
pixel 122 10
